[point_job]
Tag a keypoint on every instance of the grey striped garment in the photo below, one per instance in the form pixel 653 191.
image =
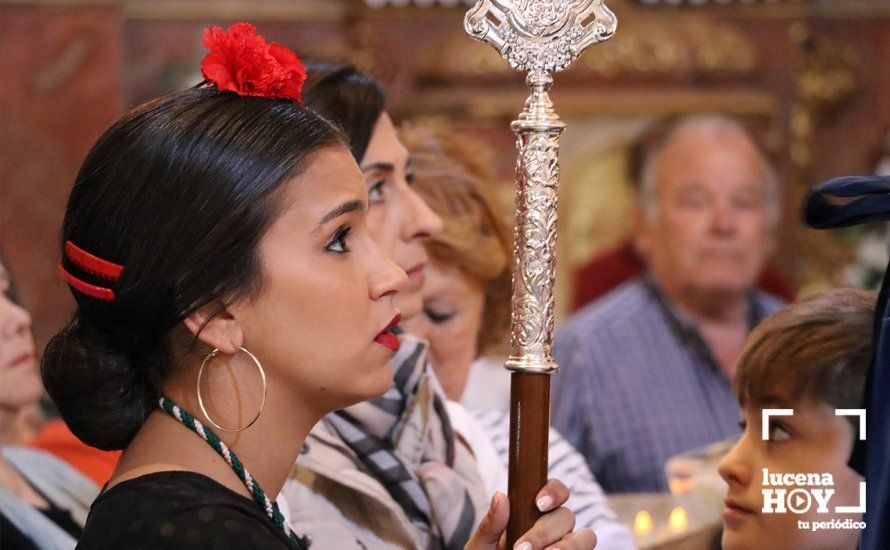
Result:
pixel 633 389
pixel 587 500
pixel 372 429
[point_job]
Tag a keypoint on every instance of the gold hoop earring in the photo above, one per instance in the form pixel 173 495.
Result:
pixel 259 367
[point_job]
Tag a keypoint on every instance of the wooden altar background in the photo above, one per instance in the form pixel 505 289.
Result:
pixel 811 78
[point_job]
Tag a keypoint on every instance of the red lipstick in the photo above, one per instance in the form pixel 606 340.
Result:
pixel 25 359
pixel 386 336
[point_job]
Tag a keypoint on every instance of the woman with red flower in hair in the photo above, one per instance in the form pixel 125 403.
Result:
pixel 229 296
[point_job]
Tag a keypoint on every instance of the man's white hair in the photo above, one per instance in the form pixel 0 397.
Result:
pixel 716 126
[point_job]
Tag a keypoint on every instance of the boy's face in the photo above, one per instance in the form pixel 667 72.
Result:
pixel 812 441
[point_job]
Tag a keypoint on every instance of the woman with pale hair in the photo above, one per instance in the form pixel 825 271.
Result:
pixel 466 309
pixel 43 501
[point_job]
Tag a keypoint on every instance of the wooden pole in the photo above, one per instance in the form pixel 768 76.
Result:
pixel 538 37
pixel 529 433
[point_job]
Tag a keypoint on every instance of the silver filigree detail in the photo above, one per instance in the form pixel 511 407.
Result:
pixel 539 37
pixel 534 257
pixel 539 17
pixel 534 247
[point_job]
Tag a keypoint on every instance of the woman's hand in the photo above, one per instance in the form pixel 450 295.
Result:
pixel 552 530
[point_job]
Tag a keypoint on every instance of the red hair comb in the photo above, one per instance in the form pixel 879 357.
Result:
pixel 94 265
pixel 93 291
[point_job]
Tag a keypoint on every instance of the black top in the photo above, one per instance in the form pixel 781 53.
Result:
pixel 63 519
pixel 11 538
pixel 178 510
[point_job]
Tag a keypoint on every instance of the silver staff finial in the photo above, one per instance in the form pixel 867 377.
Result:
pixel 539 37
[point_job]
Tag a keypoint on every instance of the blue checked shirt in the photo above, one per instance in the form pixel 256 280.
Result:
pixel 637 385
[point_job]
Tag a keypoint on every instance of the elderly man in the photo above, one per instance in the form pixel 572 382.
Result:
pixel 646 371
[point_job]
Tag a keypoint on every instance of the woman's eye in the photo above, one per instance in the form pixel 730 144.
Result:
pixel 436 317
pixel 375 192
pixel 778 432
pixel 338 242
pixel 746 203
pixel 410 177
pixel 693 201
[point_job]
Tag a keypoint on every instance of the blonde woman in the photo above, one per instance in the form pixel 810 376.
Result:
pixel 466 308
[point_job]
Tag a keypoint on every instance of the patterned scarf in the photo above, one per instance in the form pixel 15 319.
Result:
pixel 405 440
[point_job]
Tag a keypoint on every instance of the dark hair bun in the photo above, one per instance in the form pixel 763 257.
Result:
pixel 83 361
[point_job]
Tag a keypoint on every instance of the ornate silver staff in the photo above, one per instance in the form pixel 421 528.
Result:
pixel 538 37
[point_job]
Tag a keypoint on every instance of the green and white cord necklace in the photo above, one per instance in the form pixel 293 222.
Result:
pixel 270 506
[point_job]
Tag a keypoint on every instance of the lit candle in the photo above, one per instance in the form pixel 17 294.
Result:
pixel 680 485
pixel 643 523
pixel 677 520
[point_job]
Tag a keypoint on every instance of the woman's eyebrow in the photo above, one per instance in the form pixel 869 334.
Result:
pixel 345 208
pixel 384 166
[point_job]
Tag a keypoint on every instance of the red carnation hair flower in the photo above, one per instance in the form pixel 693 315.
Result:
pixel 241 61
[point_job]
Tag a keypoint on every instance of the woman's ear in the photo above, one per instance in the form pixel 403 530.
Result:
pixel 214 325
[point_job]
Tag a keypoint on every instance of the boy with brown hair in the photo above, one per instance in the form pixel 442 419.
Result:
pixel 811 357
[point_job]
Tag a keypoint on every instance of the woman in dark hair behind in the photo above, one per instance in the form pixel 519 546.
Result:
pixel 408 427
pixel 353 100
pixel 43 501
pixel 216 244
pixel 391 469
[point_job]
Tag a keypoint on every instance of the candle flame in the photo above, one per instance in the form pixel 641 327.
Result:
pixel 677 520
pixel 679 485
pixel 643 523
